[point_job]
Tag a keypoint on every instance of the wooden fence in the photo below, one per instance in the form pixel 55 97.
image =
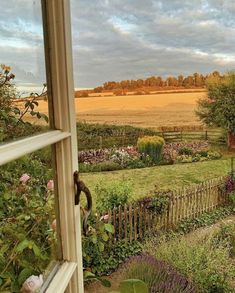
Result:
pixel 213 136
pixel 134 222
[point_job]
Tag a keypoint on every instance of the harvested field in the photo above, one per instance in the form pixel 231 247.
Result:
pixel 155 110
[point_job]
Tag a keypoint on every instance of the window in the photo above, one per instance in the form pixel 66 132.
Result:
pixel 68 274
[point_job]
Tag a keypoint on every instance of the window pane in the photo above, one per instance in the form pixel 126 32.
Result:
pixel 22 70
pixel 28 240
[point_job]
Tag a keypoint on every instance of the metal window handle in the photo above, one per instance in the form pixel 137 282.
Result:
pixel 79 188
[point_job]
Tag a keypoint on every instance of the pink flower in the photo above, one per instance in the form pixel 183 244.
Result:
pixel 53 225
pixel 32 284
pixel 24 178
pixel 105 218
pixel 50 185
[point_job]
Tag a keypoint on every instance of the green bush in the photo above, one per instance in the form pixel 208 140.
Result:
pixel 208 265
pixel 186 151
pixel 152 146
pixel 106 261
pixel 112 194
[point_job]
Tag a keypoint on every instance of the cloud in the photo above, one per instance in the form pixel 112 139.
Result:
pixel 117 39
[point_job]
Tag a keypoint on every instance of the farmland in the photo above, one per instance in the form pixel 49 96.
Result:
pixel 155 110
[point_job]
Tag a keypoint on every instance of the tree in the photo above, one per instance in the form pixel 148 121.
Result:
pixel 218 108
pixel 11 117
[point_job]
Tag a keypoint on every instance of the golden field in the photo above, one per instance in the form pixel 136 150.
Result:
pixel 168 109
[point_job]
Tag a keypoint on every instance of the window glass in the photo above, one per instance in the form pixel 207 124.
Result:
pixel 28 238
pixel 23 105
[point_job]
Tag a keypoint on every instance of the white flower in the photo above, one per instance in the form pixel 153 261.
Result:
pixel 32 284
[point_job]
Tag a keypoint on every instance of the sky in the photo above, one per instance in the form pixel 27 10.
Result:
pixel 123 39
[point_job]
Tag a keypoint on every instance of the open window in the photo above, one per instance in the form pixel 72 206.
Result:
pixel 67 272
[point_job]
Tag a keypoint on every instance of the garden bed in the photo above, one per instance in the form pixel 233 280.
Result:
pixel 131 157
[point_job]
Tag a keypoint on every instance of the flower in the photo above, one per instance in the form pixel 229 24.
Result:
pixel 32 284
pixel 105 218
pixel 53 225
pixel 24 178
pixel 50 185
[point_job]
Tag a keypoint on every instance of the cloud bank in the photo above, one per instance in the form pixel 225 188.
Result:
pixel 117 39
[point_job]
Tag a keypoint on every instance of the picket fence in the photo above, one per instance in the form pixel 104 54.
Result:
pixel 134 222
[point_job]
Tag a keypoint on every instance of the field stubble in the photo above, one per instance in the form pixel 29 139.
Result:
pixel 156 110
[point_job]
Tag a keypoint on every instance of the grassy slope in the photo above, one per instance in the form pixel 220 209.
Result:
pixel 164 177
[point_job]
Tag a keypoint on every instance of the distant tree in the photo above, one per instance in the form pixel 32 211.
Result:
pixel 218 108
pixel 180 80
pixel 98 89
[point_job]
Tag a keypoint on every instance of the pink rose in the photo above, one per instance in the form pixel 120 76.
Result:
pixel 105 218
pixel 32 284
pixel 24 178
pixel 50 185
pixel 53 225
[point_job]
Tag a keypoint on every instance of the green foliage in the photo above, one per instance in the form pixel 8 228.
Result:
pixel 132 286
pixel 206 219
pixel 185 151
pixel 207 264
pixel 107 261
pixel 95 136
pixel 152 146
pixel 112 194
pixel 89 277
pixel 157 203
pixel 27 243
pixel 96 242
pixel 12 122
pixel 218 108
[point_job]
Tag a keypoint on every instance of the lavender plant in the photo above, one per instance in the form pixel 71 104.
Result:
pixel 159 276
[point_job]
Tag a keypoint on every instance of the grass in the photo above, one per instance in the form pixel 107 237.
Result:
pixel 163 177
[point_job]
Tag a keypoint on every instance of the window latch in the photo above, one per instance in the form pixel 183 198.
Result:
pixel 79 188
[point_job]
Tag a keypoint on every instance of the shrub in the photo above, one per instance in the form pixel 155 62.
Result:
pixel 207 265
pixel 152 146
pixel 107 261
pixel 157 203
pixel 158 275
pixel 113 194
pixel 186 151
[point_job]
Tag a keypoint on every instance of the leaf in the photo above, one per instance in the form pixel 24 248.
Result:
pixel 94 239
pixel 22 245
pixel 36 250
pixel 101 246
pixel 24 274
pixel 109 228
pixel 88 274
pixel 105 237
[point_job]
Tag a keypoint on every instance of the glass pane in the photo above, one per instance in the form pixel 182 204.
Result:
pixel 23 106
pixel 28 241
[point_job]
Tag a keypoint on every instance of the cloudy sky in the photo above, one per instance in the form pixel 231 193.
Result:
pixel 124 39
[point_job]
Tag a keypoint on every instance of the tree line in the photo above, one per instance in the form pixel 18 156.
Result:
pixel 196 80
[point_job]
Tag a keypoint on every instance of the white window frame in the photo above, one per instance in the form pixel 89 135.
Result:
pixel 63 138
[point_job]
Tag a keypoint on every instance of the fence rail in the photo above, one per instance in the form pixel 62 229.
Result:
pixel 212 136
pixel 134 222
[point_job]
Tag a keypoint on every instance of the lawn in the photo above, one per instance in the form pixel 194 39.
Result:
pixel 164 177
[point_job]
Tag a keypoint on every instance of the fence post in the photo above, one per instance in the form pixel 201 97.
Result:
pixel 206 135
